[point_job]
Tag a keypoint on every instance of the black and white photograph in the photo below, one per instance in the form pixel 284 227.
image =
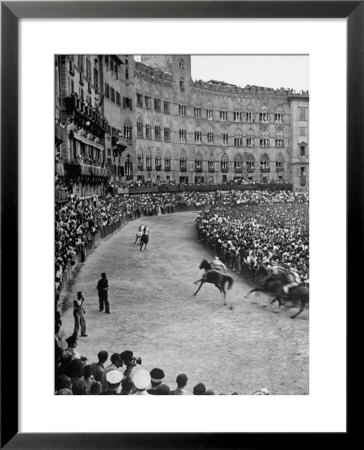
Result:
pixel 181 224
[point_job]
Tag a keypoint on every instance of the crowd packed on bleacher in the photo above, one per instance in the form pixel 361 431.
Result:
pixel 255 226
pixel 122 374
pixel 232 226
pixel 150 182
pixel 260 227
pixel 78 220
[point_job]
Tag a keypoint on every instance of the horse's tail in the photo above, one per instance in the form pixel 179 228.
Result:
pixel 230 280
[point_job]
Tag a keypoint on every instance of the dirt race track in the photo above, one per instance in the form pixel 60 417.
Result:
pixel 154 314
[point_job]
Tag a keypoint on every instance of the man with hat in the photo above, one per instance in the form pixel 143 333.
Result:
pixel 78 314
pixel 181 381
pixel 113 379
pixel 157 376
pixel 102 288
pixel 141 379
pixel 116 364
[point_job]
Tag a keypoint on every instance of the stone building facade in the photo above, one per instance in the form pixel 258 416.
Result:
pixel 163 126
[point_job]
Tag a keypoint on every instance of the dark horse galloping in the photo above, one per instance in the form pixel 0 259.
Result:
pixel 274 285
pixel 144 240
pixel 215 277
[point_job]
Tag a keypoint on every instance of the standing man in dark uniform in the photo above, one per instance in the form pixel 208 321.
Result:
pixel 78 312
pixel 103 287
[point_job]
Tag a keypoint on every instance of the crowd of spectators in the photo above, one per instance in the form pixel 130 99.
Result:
pixel 260 227
pixel 253 225
pixel 122 374
pixel 78 220
pixel 237 181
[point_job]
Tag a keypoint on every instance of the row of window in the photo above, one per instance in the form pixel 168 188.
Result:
pixel 115 67
pixel 114 96
pixel 238 164
pixel 182 134
pixel 238 116
pixel 110 64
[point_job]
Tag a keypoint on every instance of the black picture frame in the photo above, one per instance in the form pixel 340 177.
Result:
pixel 11 13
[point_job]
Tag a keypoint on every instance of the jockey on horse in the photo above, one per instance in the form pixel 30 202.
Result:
pixel 289 277
pixel 216 264
pixel 139 234
pixel 293 277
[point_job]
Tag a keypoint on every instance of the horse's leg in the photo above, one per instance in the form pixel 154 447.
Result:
pixel 275 299
pixel 202 282
pixel 253 290
pixel 196 282
pixel 231 302
pixel 221 289
pixel 223 292
pixel 302 307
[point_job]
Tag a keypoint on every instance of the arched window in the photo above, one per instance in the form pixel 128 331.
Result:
pixel 182 84
pixel 224 113
pixel 140 160
pixel 238 164
pixel 167 162
pixel 181 64
pixel 183 162
pixel 237 115
pixel 264 163
pixel 279 115
pixel 140 128
pixel 148 131
pixel 148 161
pixel 249 115
pixel 250 141
pixel 157 160
pixel 198 163
pixel 157 131
pixel 279 163
pixel 263 115
pixel 198 137
pixel 211 163
pixel 128 130
pixel 250 162
pixel 224 163
pixel 128 167
pixel 279 141
pixel 238 138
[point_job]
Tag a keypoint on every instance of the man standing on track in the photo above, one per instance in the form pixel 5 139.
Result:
pixel 102 288
pixel 78 312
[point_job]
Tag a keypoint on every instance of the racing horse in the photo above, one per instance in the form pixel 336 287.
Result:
pixel 139 235
pixel 274 286
pixel 215 277
pixel 144 239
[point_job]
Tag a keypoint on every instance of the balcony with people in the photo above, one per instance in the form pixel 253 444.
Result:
pixel 119 143
pixel 83 115
pixel 85 166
